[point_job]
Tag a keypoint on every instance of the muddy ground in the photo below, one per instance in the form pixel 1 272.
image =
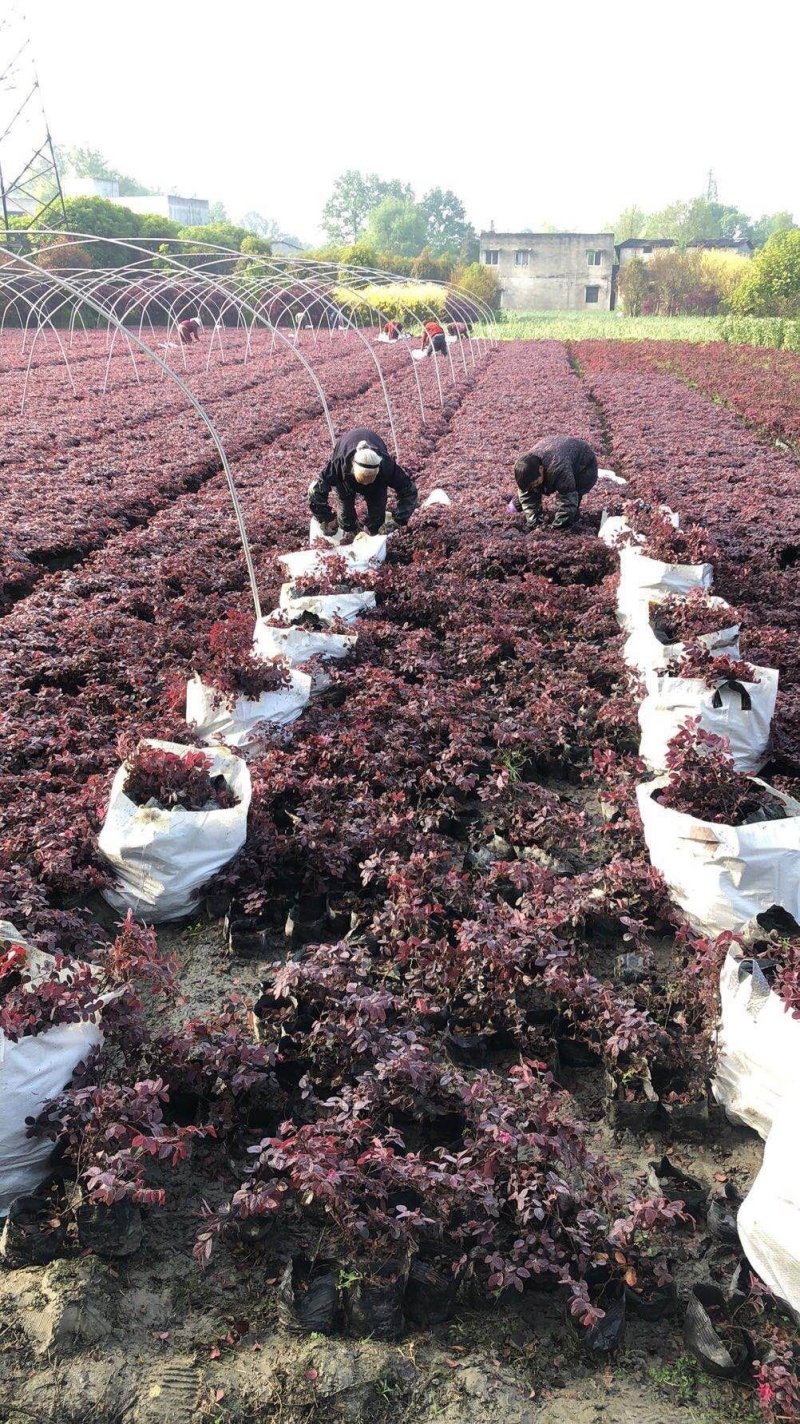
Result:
pixel 155 1340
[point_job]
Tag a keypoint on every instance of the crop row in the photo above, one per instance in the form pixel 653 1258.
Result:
pixel 761 386
pixel 126 454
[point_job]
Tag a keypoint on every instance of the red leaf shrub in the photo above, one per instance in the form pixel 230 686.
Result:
pixel 232 667
pixel 704 783
pixel 169 781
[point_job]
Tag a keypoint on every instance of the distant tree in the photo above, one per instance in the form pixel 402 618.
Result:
pixel 397 225
pixel 698 217
pixel 771 283
pixel 63 255
pixel 630 223
pixel 222 234
pixel 429 268
pixel 479 281
pixel 634 286
pixel 261 226
pixel 255 245
pixel 153 225
pixel 100 218
pixel 217 212
pixel 86 162
pixel 448 230
pixel 354 196
pixel 766 226
pixel 679 283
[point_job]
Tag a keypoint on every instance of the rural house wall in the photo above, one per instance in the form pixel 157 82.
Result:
pixel 556 273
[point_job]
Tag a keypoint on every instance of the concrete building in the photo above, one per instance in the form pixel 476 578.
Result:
pixel 189 212
pixel 552 271
pixel 91 188
pixel 641 247
pixel 740 247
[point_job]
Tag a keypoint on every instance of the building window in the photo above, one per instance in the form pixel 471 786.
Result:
pixel 593 257
pixel 491 256
pixel 648 247
pixel 592 294
pixel 522 257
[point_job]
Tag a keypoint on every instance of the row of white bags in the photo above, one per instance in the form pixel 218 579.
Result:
pixel 163 857
pixel 34 1070
pixel 758 1084
pixel 722 877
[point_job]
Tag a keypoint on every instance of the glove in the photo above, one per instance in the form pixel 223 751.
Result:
pixel 330 527
pixel 389 525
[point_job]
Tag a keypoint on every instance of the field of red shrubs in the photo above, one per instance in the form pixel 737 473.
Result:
pixel 425 1097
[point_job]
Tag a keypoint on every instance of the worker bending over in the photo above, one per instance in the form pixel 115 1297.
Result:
pixel 361 465
pixel 433 338
pixel 189 330
pixel 559 465
pixel 393 330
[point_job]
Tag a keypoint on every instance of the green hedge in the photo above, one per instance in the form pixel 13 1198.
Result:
pixel 395 303
pixel 779 332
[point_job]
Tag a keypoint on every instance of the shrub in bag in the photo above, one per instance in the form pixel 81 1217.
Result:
pixel 758 1047
pixel 722 876
pixel 325 606
pixel 162 856
pixel 367 551
pixel 642 580
pixel 300 645
pixel 740 711
pixel 37 1063
pixel 317 535
pixel 613 526
pixel 645 651
pixel 217 716
pixel 769 1217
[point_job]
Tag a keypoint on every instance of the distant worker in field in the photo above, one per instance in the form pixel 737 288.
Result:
pixel 189 330
pixel 559 465
pixel 393 330
pixel 433 338
pixel 361 465
pixel 459 329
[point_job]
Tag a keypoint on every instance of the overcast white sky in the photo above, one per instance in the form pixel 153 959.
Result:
pixel 563 118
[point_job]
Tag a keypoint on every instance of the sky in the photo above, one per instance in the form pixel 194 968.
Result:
pixel 564 116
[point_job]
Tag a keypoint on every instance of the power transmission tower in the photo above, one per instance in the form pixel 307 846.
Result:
pixel 711 187
pixel 30 185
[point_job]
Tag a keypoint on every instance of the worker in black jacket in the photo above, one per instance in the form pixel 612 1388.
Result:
pixel 559 465
pixel 361 464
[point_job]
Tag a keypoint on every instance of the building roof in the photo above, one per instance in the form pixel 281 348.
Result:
pixel 528 235
pixel 719 242
pixel 647 242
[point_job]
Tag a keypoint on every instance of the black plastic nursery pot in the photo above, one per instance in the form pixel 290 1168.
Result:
pixel 606 1336
pixel 721 1348
pixel 431 1292
pixel 309 1298
pixel 632 1105
pixel 110 1230
pixel 373 1299
pixel 649 1301
pixel 34 1233
pixel 675 1185
pixel 723 1211
pixel 245 940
